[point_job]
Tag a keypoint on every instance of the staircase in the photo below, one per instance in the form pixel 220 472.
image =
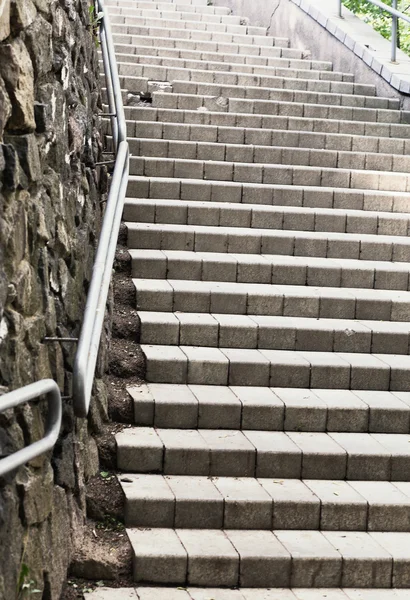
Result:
pixel 268 224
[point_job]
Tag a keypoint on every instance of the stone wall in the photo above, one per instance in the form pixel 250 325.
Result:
pixel 50 210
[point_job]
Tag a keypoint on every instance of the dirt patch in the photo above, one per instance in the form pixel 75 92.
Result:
pixel 105 498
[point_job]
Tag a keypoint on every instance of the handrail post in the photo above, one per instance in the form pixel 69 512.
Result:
pixel 340 9
pixel 394 33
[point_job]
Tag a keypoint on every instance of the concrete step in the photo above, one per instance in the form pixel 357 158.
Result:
pixel 268 332
pixel 241 240
pixel 191 39
pixel 188 167
pixel 164 5
pixel 242 503
pixel 265 454
pixel 276 368
pixel 308 147
pixel 191 212
pixel 168 593
pixel 277 559
pixel 241 73
pixel 278 195
pixel 259 65
pixel 280 108
pixel 264 299
pixel 257 86
pixel 172 12
pixel 269 409
pixel 201 4
pixel 256 153
pixel 176 21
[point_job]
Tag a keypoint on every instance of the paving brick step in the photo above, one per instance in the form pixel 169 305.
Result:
pixel 270 559
pixel 341 146
pixel 257 153
pixel 302 109
pixel 186 212
pixel 298 125
pixel 175 295
pixel 265 454
pixel 130 8
pixel 130 16
pixel 270 409
pixel 276 368
pixel 237 240
pixel 176 22
pixel 263 173
pixel 323 81
pixel 167 593
pixel 204 41
pixel 264 504
pixel 267 332
pixel 277 195
pixel 260 65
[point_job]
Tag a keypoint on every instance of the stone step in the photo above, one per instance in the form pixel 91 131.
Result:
pixel 269 409
pixel 278 559
pixel 231 170
pixel 174 295
pixel 257 153
pixel 176 21
pixel 266 332
pixel 276 368
pixel 240 73
pixel 257 86
pixel 259 65
pixel 277 195
pixel 202 4
pixel 265 454
pixel 242 503
pixel 169 593
pixel 204 40
pixel 242 240
pixel 191 212
pixel 173 12
pixel 298 125
pixel 278 107
pixel 164 5
pixel 308 146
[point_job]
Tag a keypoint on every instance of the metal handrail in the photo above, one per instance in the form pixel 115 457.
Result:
pixel 25 394
pixel 395 14
pixel 89 341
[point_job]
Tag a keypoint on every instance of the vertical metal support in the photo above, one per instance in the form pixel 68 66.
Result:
pixel 340 9
pixel 394 33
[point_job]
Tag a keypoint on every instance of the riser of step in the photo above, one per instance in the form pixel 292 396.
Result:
pixel 277 195
pixel 253 153
pixel 262 504
pixel 185 212
pixel 127 24
pixel 275 559
pixel 261 173
pixel 299 126
pixel 260 65
pixel 259 85
pixel 265 454
pixel 118 8
pixel 205 41
pixel 264 332
pixel 169 593
pixel 276 368
pixel 270 409
pixel 130 16
pixel 279 108
pixel 323 144
pixel 237 240
pixel 258 299
pixel 215 72
pixel 201 4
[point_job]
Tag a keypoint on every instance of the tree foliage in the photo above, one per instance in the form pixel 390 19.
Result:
pixel 381 21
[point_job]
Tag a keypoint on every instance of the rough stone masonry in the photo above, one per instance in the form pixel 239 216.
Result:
pixel 50 209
